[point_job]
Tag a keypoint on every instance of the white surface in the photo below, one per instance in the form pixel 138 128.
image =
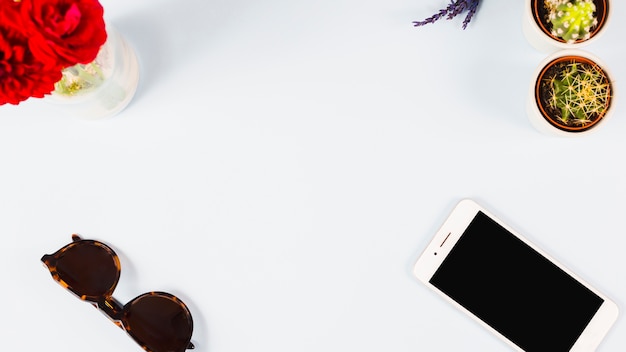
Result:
pixel 284 163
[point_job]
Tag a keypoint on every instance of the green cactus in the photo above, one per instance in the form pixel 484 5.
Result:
pixel 580 91
pixel 572 20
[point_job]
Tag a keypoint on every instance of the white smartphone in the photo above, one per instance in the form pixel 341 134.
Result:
pixel 512 287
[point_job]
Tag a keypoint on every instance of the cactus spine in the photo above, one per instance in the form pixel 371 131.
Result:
pixel 580 91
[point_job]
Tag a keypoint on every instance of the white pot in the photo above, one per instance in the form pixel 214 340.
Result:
pixel 540 37
pixel 539 119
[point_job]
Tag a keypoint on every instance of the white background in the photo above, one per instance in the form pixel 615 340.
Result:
pixel 284 163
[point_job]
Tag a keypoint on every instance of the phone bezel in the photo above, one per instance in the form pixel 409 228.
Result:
pixel 448 235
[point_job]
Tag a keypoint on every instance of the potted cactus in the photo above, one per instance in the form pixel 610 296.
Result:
pixel 564 24
pixel 572 93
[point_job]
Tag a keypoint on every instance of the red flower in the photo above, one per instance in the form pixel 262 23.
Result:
pixel 69 32
pixel 9 14
pixel 21 74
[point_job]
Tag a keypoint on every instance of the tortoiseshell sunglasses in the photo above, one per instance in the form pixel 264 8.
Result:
pixel 157 321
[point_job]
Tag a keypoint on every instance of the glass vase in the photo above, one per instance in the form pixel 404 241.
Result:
pixel 103 87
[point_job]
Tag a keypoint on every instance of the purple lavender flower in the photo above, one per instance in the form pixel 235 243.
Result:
pixel 456 7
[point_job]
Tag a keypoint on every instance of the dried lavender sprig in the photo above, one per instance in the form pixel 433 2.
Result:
pixel 431 19
pixel 455 8
pixel 458 8
pixel 473 6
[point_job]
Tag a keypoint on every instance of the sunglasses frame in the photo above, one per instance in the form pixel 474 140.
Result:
pixel 106 303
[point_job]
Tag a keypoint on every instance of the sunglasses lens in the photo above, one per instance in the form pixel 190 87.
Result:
pixel 159 322
pixel 88 269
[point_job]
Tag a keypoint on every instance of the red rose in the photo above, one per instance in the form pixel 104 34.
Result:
pixel 9 14
pixel 21 74
pixel 69 31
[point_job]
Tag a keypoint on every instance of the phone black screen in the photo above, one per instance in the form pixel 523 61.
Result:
pixel 514 289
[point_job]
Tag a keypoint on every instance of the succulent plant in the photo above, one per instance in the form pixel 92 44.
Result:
pixel 455 8
pixel 580 92
pixel 572 20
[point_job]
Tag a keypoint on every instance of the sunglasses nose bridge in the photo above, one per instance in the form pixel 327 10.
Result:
pixel 110 307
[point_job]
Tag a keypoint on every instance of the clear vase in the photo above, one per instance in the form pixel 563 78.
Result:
pixel 103 87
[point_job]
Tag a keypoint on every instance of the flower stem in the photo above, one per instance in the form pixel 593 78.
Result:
pixel 79 79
